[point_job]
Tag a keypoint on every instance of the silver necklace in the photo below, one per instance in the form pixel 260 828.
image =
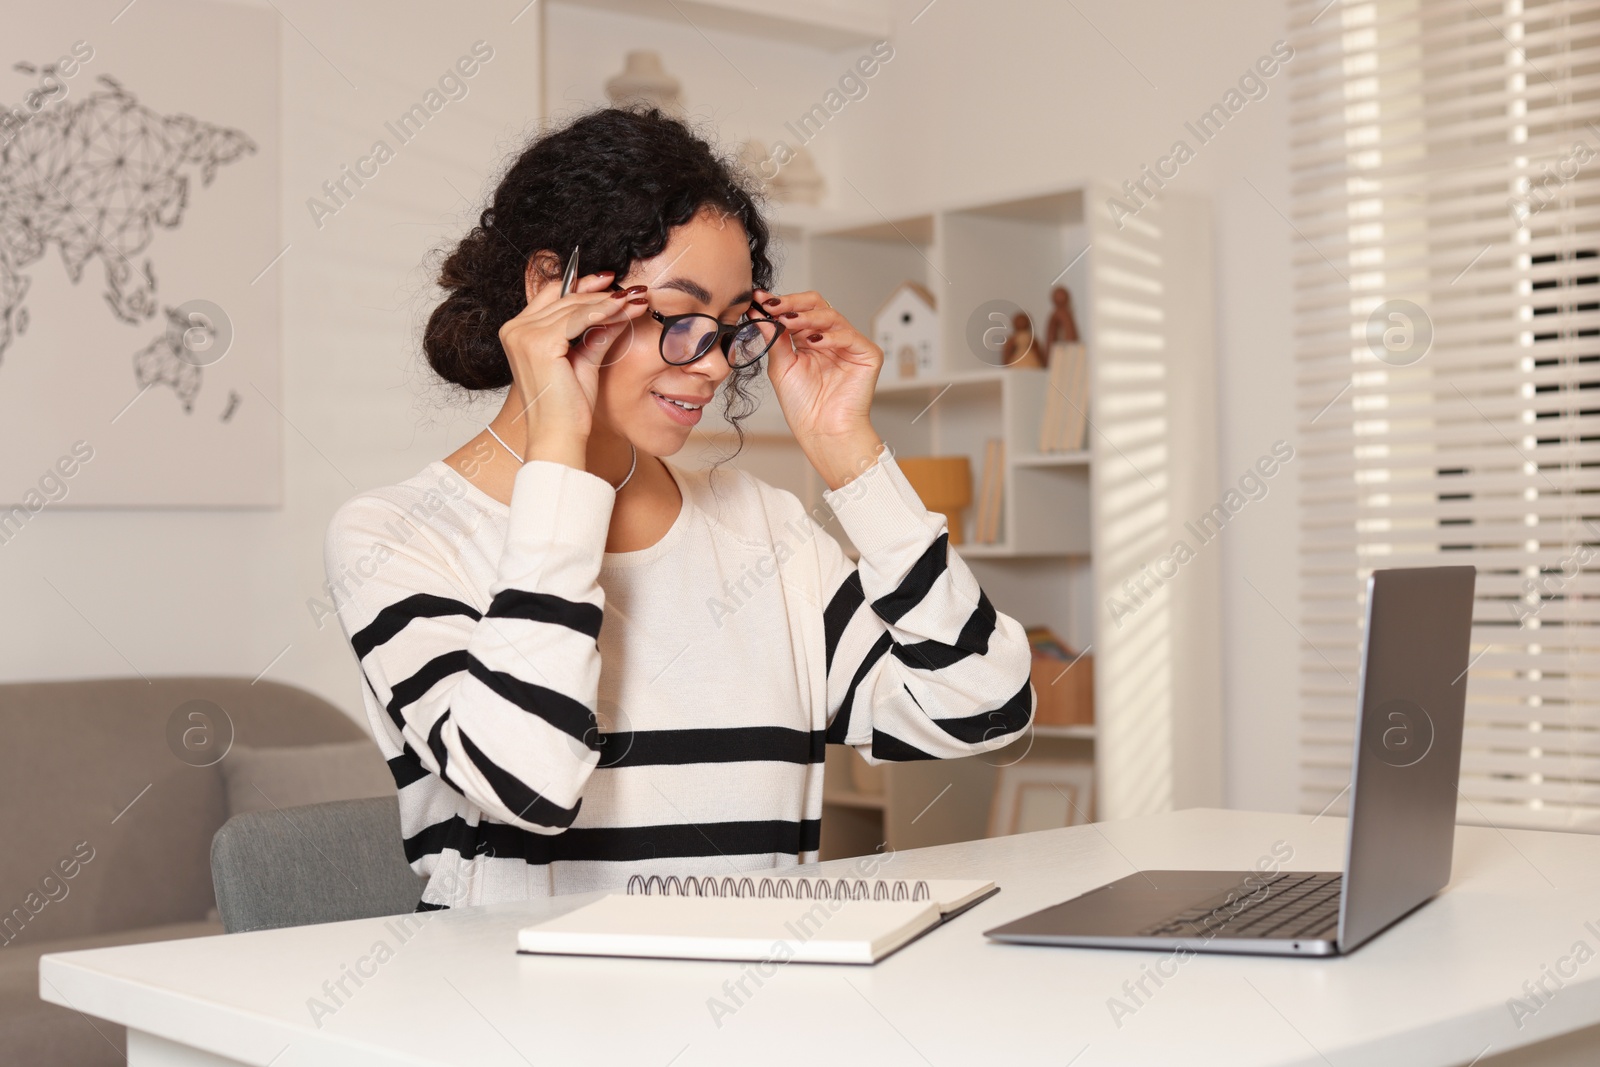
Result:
pixel 633 463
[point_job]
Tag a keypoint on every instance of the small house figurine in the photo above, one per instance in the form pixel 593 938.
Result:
pixel 906 327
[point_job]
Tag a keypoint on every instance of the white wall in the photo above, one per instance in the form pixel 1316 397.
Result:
pixel 980 100
pixel 225 592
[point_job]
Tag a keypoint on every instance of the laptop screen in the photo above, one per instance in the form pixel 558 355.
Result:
pixel 1412 700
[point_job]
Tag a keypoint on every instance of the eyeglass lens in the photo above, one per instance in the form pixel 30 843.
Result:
pixel 690 338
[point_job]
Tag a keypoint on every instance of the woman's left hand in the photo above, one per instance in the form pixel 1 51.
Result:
pixel 823 372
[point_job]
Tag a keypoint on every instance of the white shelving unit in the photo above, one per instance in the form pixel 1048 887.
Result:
pixel 1079 530
pixel 1044 501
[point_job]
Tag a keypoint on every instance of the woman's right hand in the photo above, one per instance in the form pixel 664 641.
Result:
pixel 555 346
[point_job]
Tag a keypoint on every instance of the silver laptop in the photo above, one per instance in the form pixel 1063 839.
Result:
pixel 1412 695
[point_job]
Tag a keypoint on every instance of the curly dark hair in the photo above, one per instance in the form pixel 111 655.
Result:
pixel 615 181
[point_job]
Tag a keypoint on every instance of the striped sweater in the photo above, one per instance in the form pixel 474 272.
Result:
pixel 538 751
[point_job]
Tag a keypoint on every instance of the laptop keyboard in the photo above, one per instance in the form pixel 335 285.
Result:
pixel 1281 907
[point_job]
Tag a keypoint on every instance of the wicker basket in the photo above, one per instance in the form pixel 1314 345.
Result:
pixel 1065 699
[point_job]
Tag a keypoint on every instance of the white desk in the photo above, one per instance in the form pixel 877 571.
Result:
pixel 1432 990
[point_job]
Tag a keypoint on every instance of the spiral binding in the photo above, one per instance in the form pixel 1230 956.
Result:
pixel 780 888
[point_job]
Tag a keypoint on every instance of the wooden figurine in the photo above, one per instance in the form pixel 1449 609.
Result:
pixel 1021 349
pixel 1062 326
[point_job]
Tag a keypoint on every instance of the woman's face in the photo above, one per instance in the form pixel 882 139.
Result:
pixel 704 268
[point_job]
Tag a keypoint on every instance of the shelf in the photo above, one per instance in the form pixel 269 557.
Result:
pixel 820 221
pixel 1050 209
pixel 996 551
pixel 1050 206
pixel 856 224
pixel 854 800
pixel 975 550
pixel 972 379
pixel 1052 459
pixel 1085 733
pixel 1006 551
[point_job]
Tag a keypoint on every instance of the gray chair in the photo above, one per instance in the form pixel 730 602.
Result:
pixel 314 864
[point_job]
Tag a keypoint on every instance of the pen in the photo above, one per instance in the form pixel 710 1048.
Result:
pixel 570 275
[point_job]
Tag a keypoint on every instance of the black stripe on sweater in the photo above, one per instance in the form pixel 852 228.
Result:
pixel 410 690
pixel 559 710
pixel 453 834
pixel 508 787
pixel 736 744
pixel 839 729
pixel 406 767
pixel 546 607
pixel 892 607
pixel 569 716
pixel 888 747
pixel 396 617
pixel 973 640
pixel 441 755
pixel 1008 718
pixel 620 843
pixel 840 610
pixel 527 803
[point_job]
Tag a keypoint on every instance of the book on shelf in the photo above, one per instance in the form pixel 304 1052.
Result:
pixel 1067 403
pixel 812 919
pixel 1055 402
pixel 986 524
pixel 1072 437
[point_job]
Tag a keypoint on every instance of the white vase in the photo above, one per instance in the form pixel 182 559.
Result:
pixel 645 81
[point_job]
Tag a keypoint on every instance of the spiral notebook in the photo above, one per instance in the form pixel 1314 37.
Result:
pixel 771 919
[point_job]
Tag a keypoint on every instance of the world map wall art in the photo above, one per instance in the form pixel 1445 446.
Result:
pixel 139 248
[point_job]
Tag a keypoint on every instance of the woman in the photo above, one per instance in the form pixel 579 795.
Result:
pixel 538 751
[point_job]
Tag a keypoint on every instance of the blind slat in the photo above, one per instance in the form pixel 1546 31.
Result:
pixel 1431 162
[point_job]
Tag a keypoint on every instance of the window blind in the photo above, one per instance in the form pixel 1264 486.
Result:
pixel 1445 173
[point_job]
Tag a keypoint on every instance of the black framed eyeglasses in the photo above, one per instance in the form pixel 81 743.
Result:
pixel 686 338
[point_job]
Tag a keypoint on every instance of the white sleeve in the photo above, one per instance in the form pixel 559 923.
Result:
pixel 498 704
pixel 919 663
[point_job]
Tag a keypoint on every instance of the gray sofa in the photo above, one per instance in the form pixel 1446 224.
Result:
pixel 110 799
